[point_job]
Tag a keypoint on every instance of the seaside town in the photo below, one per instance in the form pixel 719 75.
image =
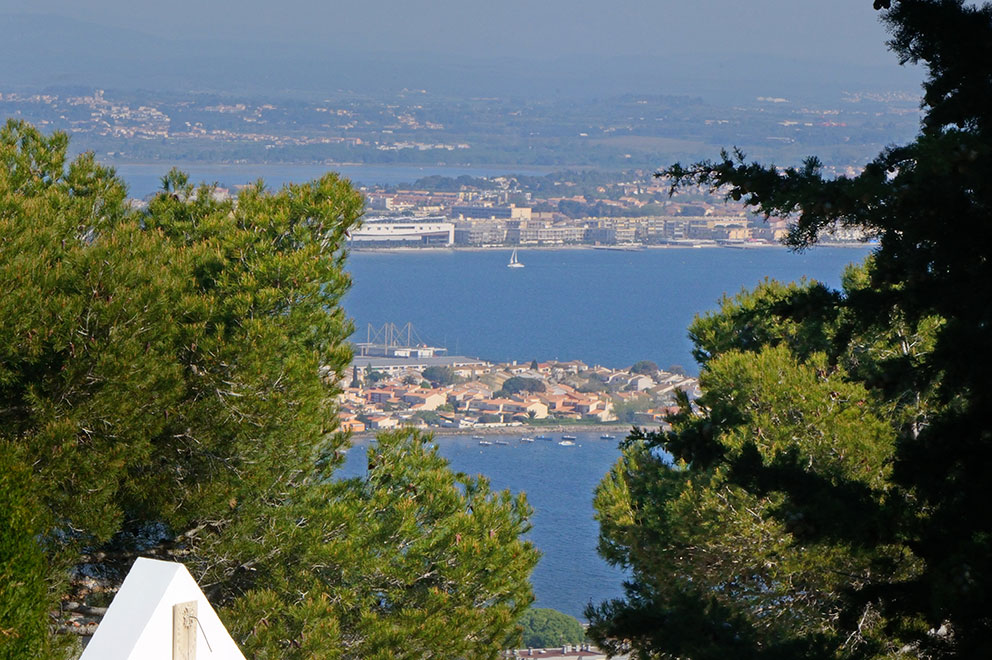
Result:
pixel 416 126
pixel 628 210
pixel 396 382
pixel 612 202
pixel 625 214
pixel 503 211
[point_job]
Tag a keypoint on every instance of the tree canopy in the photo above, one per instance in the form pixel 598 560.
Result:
pixel 543 628
pixel 411 561
pixel 517 384
pixel 645 367
pixel 24 598
pixel 825 497
pixel 440 375
pixel 167 388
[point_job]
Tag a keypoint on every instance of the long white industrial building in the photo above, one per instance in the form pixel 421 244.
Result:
pixel 398 231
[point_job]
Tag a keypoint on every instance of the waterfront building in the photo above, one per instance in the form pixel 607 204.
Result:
pixel 393 366
pixel 480 233
pixel 393 341
pixel 548 234
pixel 491 212
pixel 401 231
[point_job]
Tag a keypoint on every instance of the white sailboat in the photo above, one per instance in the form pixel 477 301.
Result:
pixel 513 260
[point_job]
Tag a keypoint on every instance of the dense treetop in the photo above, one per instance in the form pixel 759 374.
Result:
pixel 167 388
pixel 517 384
pixel 545 628
pixel 826 496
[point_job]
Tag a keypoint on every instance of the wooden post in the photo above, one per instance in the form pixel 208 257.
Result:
pixel 184 631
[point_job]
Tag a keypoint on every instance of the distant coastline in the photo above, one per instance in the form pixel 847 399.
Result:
pixel 522 429
pixel 435 249
pixel 143 177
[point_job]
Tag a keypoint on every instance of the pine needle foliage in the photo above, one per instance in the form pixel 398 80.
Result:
pixel 411 561
pixel 167 388
pixel 827 495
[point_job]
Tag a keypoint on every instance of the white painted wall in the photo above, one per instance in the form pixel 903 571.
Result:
pixel 138 623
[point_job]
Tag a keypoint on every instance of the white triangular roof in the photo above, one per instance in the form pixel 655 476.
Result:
pixel 138 623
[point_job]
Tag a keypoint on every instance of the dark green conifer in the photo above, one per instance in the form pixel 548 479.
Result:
pixel 167 388
pixel 828 499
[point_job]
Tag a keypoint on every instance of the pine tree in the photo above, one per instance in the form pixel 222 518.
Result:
pixel 167 388
pixel 906 345
pixel 24 596
pixel 411 561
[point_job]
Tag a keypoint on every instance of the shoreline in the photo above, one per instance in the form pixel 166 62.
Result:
pixel 557 248
pixel 114 161
pixel 523 429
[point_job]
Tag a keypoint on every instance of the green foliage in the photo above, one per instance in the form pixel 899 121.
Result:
pixel 590 385
pixel 412 561
pixel 760 487
pixel 440 376
pixel 828 492
pixel 626 411
pixel 797 315
pixel 545 628
pixel 190 336
pixel 645 367
pixel 517 384
pixel 24 594
pixel 428 416
pixel 374 376
pixel 177 366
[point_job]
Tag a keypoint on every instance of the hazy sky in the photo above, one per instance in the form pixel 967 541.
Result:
pixel 844 29
pixel 497 47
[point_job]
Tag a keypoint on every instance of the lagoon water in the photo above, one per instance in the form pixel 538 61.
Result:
pixel 603 307
pixel 559 482
pixel 599 306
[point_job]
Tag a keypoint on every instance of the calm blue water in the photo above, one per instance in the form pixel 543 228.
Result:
pixel 606 307
pixel 146 178
pixel 600 306
pixel 559 482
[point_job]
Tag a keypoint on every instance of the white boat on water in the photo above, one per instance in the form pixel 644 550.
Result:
pixel 501 442
pixel 526 439
pixel 607 436
pixel 514 263
pixel 566 443
pixel 485 443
